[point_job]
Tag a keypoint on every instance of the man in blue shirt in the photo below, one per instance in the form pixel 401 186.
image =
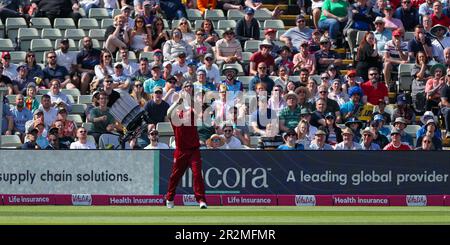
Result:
pixel 290 139
pixel 408 15
pixel 154 81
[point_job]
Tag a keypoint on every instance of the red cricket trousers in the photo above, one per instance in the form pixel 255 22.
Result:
pixel 182 159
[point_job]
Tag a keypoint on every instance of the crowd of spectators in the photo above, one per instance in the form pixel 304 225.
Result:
pixel 329 105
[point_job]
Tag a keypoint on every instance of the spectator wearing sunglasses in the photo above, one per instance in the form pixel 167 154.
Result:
pixel 153 136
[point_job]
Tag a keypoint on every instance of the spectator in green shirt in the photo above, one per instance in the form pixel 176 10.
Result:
pixel 290 115
pixel 334 17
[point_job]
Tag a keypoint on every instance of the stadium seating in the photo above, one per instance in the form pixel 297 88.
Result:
pixel 85 99
pixel 72 45
pixel 404 77
pixel 251 45
pixel 95 44
pixel 64 23
pixel 234 14
pixel 263 14
pixel 79 109
pixel 40 23
pixel 6 45
pixel 87 126
pixel 2 29
pixel 52 34
pixel 17 56
pixel 39 46
pixel 10 142
pixel 26 35
pixel 224 24
pixel 274 24
pixel 98 13
pixel 131 56
pixel 76 118
pixel 75 34
pixel 194 14
pixel 87 24
pixel 214 14
pixel 165 131
pixel 106 22
pixel 12 27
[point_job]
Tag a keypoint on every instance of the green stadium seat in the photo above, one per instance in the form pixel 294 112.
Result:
pixel 51 33
pixel 26 35
pixel 76 119
pixel 279 33
pixel 85 99
pixel 164 129
pixel 40 22
pixel 87 126
pixel 2 29
pixel 106 22
pixel 220 33
pixel 224 24
pixel 116 12
pixel 39 46
pixel 64 23
pixel 12 26
pixel 98 34
pixel 234 14
pixel 254 140
pixel 79 109
pixel 251 45
pixel 131 56
pixel 74 92
pixel 214 14
pixel 263 14
pixel 87 24
pixel 75 34
pixel 404 77
pixel 246 57
pixel 98 13
pixel 6 45
pixel 17 56
pixel 245 80
pixel 274 24
pixel 10 142
pixel 148 55
pixel 194 14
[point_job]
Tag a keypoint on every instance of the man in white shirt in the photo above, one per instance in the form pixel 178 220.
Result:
pixel 9 69
pixel 82 142
pixel 231 142
pixel 66 58
pixel 348 143
pixel 212 70
pixel 50 113
pixel 299 33
pixel 440 43
pixel 153 136
pixel 129 67
pixel 180 66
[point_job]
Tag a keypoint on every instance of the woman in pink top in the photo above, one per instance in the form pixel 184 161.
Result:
pixel 391 22
pixel 434 86
pixel 304 59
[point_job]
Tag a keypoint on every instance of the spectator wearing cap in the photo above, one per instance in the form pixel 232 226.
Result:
pixel 159 34
pixel 378 137
pixel 200 47
pixel 121 82
pixel 216 142
pixel 430 129
pixel 191 74
pixel 20 116
pixel 290 115
pixel 337 94
pixel 21 81
pixel 57 97
pixel 176 45
pixel 63 58
pixel 396 53
pixel 354 105
pixel 130 67
pixel 290 142
pixel 333 73
pixel 408 15
pixel 434 86
pixel 396 143
pixel 41 138
pixel 179 67
pixel 381 122
pixel 428 115
pixel 400 124
pixel 319 142
pixel 348 142
pixel 334 17
pixel 234 86
pixel 381 110
pixel 391 22
pixel 202 84
pixel 125 10
pixel 284 59
pixel 325 56
pixel 270 36
pixel 153 136
pixel 154 81
pixel 334 132
pixel 367 141
pixel 263 55
pixel 404 109
pixel 440 43
pixel 420 42
pixel 374 90
pixel 87 59
pixel 367 55
pixel 262 77
pixel 54 142
pixel 351 80
pixel 306 115
pixel 355 125
pixel 30 143
pixel 304 59
pixel 445 105
pixel 30 101
pixel 212 70
pixel 151 11
pixel 297 34
pixel 361 20
pixel 144 72
pixel 247 28
pixel 381 33
pixel 9 69
pixel 157 59
pixel 228 49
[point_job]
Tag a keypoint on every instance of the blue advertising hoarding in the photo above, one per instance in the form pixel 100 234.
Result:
pixel 316 172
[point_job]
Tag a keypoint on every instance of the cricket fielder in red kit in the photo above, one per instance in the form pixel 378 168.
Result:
pixel 187 152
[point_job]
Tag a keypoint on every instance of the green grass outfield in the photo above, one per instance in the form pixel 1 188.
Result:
pixel 105 215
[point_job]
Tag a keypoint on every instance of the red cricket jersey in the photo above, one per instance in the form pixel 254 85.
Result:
pixel 186 137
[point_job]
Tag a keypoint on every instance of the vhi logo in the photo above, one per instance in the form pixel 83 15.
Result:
pixel 81 199
pixel 305 200
pixel 189 200
pixel 416 200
